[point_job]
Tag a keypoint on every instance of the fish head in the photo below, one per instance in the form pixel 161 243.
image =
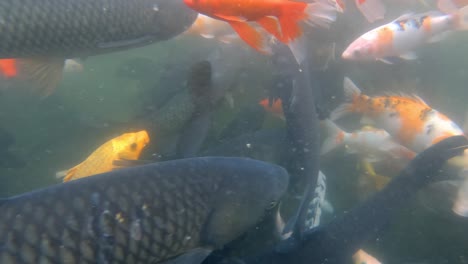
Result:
pixel 362 49
pixel 252 191
pixel 132 144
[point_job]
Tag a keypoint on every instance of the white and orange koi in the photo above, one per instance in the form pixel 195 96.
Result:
pixel 370 143
pixel 408 119
pixel 401 37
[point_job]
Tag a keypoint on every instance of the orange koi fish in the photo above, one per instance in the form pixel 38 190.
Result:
pixel 281 18
pixel 409 120
pixel 125 147
pixel 401 37
pixel 275 107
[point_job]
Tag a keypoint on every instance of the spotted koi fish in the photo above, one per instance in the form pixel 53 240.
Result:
pixel 401 37
pixel 408 119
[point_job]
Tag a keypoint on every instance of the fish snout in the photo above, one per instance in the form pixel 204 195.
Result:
pixel 347 55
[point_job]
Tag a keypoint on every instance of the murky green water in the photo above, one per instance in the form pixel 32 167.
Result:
pixel 121 92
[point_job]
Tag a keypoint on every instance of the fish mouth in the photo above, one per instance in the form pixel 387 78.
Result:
pixel 347 55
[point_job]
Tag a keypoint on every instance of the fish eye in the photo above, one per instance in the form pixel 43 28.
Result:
pixel 272 205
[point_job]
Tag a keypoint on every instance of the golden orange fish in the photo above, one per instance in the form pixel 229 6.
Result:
pixel 128 146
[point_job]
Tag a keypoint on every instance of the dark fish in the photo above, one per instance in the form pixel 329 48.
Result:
pixel 196 130
pixel 179 110
pixel 147 214
pixel 338 240
pixel 298 87
pixel 43 33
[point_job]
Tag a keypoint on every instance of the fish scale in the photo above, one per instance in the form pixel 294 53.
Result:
pixel 91 226
pixel 144 214
pixel 65 28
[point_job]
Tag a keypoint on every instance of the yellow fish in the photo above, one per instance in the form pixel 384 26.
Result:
pixel 125 147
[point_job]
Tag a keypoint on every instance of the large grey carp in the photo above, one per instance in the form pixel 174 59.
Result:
pixel 146 214
pixel 45 32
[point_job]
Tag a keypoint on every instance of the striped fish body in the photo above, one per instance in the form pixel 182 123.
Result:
pixel 144 214
pixel 64 28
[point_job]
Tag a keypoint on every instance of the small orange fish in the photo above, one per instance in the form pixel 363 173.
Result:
pixel 275 107
pixel 281 18
pixel 408 119
pixel 125 147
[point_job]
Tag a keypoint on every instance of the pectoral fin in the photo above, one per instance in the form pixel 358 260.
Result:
pixel 40 75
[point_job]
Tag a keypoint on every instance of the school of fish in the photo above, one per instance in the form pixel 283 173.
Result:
pixel 167 207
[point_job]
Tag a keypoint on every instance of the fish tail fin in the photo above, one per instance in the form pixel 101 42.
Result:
pixel 351 92
pixel 271 25
pixel 335 137
pixel 371 9
pixel 42 75
pixel 447 6
pixel 298 48
pixel 461 18
pixel 291 14
pixel 251 36
pixel 67 175
pixel 320 14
